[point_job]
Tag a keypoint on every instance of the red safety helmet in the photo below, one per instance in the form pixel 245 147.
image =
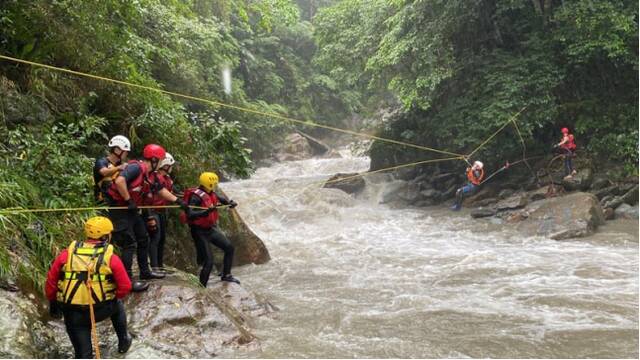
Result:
pixel 152 151
pixel 565 130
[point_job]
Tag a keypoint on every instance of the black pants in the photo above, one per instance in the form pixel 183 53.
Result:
pixel 157 239
pixel 130 235
pixel 78 324
pixel 202 237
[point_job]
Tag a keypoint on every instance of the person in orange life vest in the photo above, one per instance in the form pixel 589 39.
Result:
pixel 204 230
pixel 106 169
pixel 157 219
pixel 475 174
pixel 130 189
pixel 70 291
pixel 568 146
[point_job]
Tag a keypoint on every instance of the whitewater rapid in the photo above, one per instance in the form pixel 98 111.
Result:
pixel 352 277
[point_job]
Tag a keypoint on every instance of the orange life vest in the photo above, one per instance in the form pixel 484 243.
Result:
pixel 472 177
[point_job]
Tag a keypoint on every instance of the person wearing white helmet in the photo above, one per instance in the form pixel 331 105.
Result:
pixel 475 174
pixel 106 169
pixel 157 218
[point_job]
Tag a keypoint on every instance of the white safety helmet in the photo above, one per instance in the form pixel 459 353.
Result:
pixel 168 160
pixel 478 165
pixel 120 142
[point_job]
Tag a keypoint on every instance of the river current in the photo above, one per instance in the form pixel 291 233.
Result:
pixel 352 277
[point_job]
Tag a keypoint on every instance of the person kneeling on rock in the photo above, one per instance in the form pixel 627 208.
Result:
pixel 204 230
pixel 475 174
pixel 86 283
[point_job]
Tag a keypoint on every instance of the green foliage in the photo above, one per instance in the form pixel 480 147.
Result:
pixel 462 68
pixel 54 125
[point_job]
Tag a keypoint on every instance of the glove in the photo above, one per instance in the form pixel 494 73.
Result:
pixel 131 205
pixel 232 204
pixel 183 205
pixel 55 311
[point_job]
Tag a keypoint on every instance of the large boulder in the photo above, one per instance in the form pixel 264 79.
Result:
pixel 317 147
pixel 571 216
pixel 347 182
pixel 579 182
pixel 296 147
pixel 176 318
pixel 517 201
pixel 23 334
pixel 483 212
pixel 485 192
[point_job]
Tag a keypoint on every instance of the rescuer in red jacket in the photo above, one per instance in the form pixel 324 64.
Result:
pixel 88 272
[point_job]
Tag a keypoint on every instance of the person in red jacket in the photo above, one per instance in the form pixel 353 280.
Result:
pixel 89 273
pixel 157 218
pixel 568 146
pixel 131 189
pixel 204 230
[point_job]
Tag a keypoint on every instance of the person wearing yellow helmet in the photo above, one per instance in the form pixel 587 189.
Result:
pixel 204 230
pixel 89 272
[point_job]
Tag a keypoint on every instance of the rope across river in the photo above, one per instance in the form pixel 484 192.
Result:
pixel 454 156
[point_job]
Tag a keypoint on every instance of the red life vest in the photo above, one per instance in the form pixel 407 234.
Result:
pixel 472 177
pixel 570 144
pixel 137 188
pixel 165 181
pixel 206 200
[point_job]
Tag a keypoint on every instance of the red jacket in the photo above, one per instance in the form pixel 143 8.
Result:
pixel 120 276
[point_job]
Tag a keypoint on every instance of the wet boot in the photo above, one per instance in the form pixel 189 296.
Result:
pixel 152 275
pixel 125 344
pixel 139 286
pixel 230 278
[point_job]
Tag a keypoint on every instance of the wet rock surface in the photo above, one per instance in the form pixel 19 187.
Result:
pixel 347 182
pixel 571 216
pixel 22 333
pixel 175 318
pixel 626 211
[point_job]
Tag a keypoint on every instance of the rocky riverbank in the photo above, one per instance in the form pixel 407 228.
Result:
pixel 175 318
pixel 546 204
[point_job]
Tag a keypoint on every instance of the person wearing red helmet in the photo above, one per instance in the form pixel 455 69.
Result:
pixel 568 146
pixel 130 189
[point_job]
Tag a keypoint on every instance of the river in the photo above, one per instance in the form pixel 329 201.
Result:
pixel 355 278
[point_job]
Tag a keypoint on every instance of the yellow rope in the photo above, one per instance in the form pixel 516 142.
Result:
pixel 218 103
pixel 362 174
pixel 41 210
pixel 92 317
pixel 512 119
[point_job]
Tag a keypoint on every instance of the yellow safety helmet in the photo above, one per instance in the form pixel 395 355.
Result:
pixel 97 227
pixel 208 180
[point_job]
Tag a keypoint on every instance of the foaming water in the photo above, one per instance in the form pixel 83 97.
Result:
pixel 355 278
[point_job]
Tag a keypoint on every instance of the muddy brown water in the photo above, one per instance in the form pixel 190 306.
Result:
pixel 355 278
